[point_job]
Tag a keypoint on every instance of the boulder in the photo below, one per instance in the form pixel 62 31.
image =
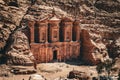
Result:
pixel 78 75
pixel 36 77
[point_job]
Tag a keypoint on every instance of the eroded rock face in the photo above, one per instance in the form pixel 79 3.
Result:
pixel 114 48
pixel 19 52
pixel 92 52
pixel 102 36
pixel 10 18
pixel 12 12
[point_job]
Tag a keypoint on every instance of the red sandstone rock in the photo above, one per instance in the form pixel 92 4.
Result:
pixel 87 48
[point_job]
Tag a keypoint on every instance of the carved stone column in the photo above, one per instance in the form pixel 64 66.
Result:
pixel 67 25
pixel 43 31
pixel 76 30
pixel 31 26
pixel 54 30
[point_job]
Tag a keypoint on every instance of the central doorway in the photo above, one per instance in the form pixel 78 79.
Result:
pixel 55 55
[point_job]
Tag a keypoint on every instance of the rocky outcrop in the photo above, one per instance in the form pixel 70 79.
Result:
pixel 108 5
pixel 102 36
pixel 101 20
pixel 5 31
pixel 10 18
pixel 78 75
pixel 87 48
pixel 19 52
pixel 92 52
pixel 11 14
pixel 114 48
pixel 22 70
pixel 68 8
pixel 108 12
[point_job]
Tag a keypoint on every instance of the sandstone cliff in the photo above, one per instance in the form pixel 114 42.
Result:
pixel 19 52
pixel 99 17
pixel 11 14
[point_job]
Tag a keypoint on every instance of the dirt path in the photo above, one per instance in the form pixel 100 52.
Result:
pixel 52 71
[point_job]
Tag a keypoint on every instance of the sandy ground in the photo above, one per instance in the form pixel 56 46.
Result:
pixel 55 70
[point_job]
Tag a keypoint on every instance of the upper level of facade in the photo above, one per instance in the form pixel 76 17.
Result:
pixel 54 29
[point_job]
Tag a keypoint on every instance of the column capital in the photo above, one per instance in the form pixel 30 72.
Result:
pixel 31 23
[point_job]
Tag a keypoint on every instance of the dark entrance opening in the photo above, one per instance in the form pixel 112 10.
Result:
pixel 55 55
pixel 36 30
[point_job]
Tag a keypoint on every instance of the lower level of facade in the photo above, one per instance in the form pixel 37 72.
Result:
pixel 57 51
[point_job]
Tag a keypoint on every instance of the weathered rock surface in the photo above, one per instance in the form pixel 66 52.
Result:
pixel 19 52
pixel 36 77
pixel 114 48
pixel 101 19
pixel 5 31
pixel 78 75
pixel 22 70
pixel 10 17
pixel 92 52
pixel 11 14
